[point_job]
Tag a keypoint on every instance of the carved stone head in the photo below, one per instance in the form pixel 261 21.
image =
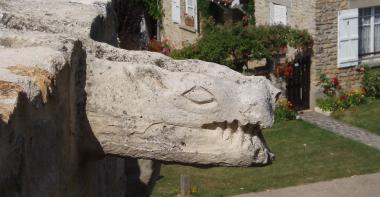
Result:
pixel 185 117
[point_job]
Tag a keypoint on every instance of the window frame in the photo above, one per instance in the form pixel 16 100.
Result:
pixel 372 52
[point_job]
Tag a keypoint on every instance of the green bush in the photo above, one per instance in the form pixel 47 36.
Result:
pixel 284 111
pixel 328 104
pixel 234 45
pixel 371 82
pixel 284 114
pixel 358 98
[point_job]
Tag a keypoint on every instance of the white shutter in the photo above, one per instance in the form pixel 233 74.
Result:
pixel 176 11
pixel 280 14
pixel 190 10
pixel 348 38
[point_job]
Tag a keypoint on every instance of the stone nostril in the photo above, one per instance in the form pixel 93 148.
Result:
pixel 275 92
pixel 277 96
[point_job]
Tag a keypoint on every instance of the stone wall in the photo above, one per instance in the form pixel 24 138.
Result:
pixel 177 35
pixel 301 14
pixel 325 47
pixel 320 18
pixel 46 149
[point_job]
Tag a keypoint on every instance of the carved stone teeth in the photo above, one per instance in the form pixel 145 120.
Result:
pixel 236 132
pixel 242 134
pixel 227 134
pixel 247 141
pixel 222 131
pixel 238 137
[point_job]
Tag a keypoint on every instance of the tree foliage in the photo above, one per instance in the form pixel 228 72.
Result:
pixel 234 44
pixel 154 9
pixel 208 9
pixel 371 81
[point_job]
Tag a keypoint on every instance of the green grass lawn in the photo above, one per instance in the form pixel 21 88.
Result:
pixel 364 116
pixel 325 156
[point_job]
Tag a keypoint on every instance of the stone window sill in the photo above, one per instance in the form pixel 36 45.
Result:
pixel 187 28
pixel 373 61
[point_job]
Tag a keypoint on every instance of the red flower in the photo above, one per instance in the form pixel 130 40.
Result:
pixel 343 97
pixel 289 71
pixel 335 82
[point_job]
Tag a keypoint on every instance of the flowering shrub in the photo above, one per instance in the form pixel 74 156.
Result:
pixel 164 47
pixel 355 98
pixel 284 111
pixel 371 82
pixel 288 72
pixel 330 86
pixel 336 98
pixel 285 70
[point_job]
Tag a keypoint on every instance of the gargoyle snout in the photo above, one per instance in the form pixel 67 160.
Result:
pixel 274 92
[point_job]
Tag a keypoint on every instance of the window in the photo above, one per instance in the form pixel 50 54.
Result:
pixel 369 31
pixel 358 36
pixel 190 7
pixel 279 14
pixel 176 11
pixel 184 14
pixel 191 16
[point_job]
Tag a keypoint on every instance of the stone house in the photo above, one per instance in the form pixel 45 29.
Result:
pixel 346 33
pixel 175 28
pixel 181 24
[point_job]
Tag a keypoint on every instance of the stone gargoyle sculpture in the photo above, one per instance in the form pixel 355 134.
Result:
pixel 69 96
pixel 185 117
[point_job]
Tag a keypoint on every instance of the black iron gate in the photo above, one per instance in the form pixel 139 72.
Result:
pixel 298 85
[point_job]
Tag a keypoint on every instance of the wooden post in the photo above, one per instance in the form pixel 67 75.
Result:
pixel 185 185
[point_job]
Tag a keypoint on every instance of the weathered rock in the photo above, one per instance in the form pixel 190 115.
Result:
pixel 67 101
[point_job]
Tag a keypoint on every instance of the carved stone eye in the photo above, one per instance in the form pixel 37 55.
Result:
pixel 199 95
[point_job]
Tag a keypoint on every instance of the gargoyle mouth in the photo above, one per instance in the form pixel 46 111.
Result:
pixel 235 131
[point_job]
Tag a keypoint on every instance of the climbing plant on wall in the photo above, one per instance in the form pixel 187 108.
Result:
pixel 154 9
pixel 251 12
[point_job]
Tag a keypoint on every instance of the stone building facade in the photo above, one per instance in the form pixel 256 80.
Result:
pixel 322 19
pixel 181 24
pixel 301 14
pixel 176 31
pixel 326 47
